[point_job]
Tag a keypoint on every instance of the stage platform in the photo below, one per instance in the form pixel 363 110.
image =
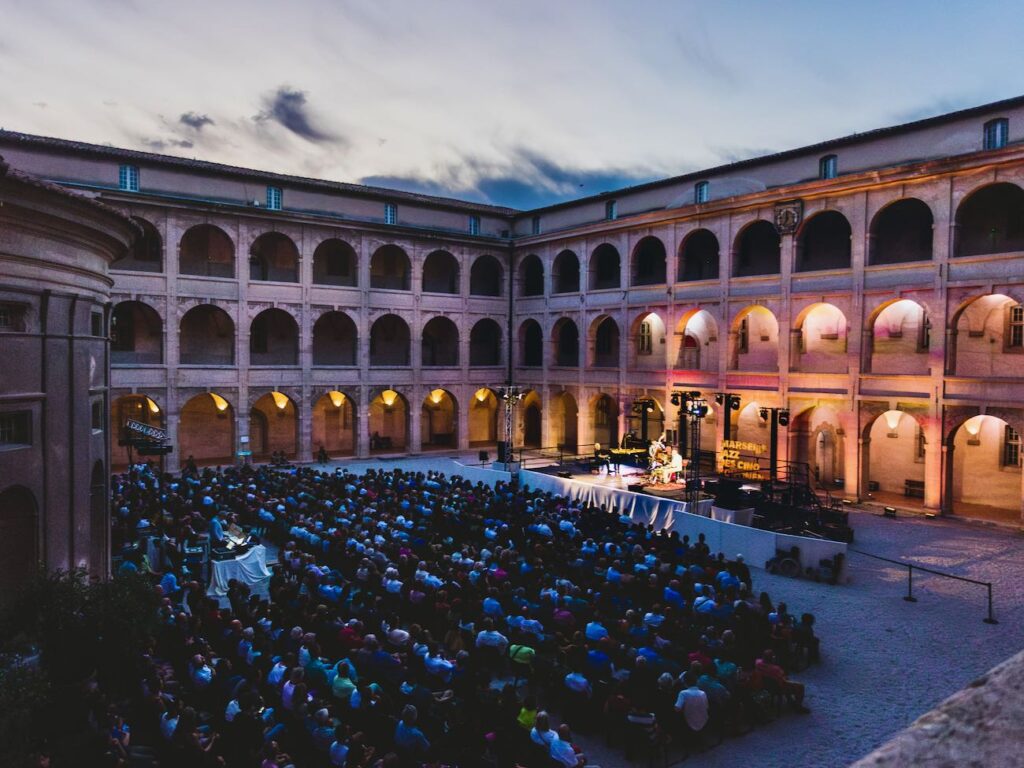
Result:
pixel 625 480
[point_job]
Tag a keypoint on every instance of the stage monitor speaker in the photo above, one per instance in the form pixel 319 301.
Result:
pixel 503 452
pixel 484 457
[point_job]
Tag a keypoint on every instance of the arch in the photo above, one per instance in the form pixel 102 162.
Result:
pixel 531 344
pixel 483 418
pixel 988 338
pixel 754 340
pixel 901 232
pixel 335 262
pixel 19 537
pixel 390 269
pixel 824 242
pixel 984 476
pixel 566 339
pixel 820 339
pixel 533 419
pixel 646 418
pixel 647 347
pixel 138 407
pixel 206 429
pixel 699 256
pixel 605 418
pixel 136 335
pixel 565 273
pixel 990 220
pixel 757 252
pixel 440 273
pixel 440 343
pixel 206 337
pixel 650 262
pixel 485 343
pixel 899 340
pixel 817 440
pixel 439 418
pixel 274 338
pixel 486 277
pixel 565 422
pixel 389 341
pixel 894 452
pixel 388 422
pixel 274 257
pixel 273 426
pixel 604 333
pixel 206 251
pixel 334 424
pixel 335 339
pixel 605 267
pixel 697 332
pixel 147 252
pixel 531 276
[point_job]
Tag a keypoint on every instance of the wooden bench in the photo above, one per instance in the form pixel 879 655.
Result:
pixel 913 489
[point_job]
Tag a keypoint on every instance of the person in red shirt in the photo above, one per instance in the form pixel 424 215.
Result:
pixel 774 676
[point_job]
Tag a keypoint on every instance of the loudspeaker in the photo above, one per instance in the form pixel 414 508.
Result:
pixel 503 452
pixel 484 458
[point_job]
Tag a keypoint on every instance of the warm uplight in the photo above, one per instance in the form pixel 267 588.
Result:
pixel 153 407
pixel 973 425
pixel 281 401
pixel 220 402
pixel 436 396
pixel 389 396
pixel 481 394
pixel 892 419
pixel 337 398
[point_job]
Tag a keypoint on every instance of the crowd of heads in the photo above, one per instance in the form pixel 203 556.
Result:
pixel 417 618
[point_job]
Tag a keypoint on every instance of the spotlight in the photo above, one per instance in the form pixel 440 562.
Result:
pixel 719 398
pixel 784 417
pixel 693 394
pixel 735 402
pixel 763 413
pixel 675 399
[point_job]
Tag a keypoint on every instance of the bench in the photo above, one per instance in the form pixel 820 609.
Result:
pixel 913 489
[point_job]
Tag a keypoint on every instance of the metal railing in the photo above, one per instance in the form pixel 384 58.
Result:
pixel 911 567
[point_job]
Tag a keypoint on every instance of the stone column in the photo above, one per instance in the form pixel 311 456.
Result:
pixel 867 348
pixel 933 462
pixel 795 339
pixel 862 469
pixel 362 425
pixel 462 411
pixel 415 420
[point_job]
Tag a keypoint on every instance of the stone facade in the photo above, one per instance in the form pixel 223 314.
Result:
pixel 880 306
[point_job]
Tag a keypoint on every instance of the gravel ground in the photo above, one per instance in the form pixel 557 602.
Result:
pixel 884 661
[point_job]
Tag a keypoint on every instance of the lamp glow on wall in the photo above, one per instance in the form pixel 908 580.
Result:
pixel 153 407
pixel 436 396
pixel 481 394
pixel 973 428
pixel 280 400
pixel 388 396
pixel 892 420
pixel 337 398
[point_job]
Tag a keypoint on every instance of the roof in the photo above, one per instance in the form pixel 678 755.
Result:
pixel 853 138
pixel 204 166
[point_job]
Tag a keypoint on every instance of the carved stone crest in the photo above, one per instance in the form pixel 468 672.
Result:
pixel 788 216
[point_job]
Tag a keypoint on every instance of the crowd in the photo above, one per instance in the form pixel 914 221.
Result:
pixel 418 619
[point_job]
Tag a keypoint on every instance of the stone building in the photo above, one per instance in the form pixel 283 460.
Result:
pixel 55 250
pixel 870 287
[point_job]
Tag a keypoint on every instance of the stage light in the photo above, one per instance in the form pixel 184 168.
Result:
pixel 337 398
pixel 719 398
pixel 675 399
pixel 389 396
pixel 281 401
pixel 783 417
pixel 693 394
pixel 763 413
pixel 735 402
pixel 220 402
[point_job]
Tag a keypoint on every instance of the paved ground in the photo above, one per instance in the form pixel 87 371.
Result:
pixel 884 661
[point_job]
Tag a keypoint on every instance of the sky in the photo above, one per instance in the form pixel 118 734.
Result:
pixel 519 103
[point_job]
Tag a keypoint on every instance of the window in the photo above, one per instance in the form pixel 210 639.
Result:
pixel 128 178
pixel 12 318
pixel 997 133
pixel 96 324
pixel 919 445
pixel 274 198
pixel 611 210
pixel 16 428
pixel 474 225
pixel 536 225
pixel 743 336
pixel 601 413
pixel 97 415
pixel 924 338
pixel 1011 447
pixel 390 213
pixel 828 167
pixel 701 192
pixel 645 343
pixel 1015 327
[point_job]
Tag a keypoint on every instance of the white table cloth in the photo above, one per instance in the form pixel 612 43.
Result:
pixel 250 568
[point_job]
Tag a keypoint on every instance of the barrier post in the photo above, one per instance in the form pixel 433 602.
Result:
pixel 910 585
pixel 990 619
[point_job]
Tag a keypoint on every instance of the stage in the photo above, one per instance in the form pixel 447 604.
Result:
pixel 627 478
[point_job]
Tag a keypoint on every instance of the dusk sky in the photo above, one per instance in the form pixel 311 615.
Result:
pixel 516 103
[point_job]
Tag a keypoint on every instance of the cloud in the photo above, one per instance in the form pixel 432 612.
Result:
pixel 524 179
pixel 288 108
pixel 162 145
pixel 936 106
pixel 727 155
pixel 195 121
